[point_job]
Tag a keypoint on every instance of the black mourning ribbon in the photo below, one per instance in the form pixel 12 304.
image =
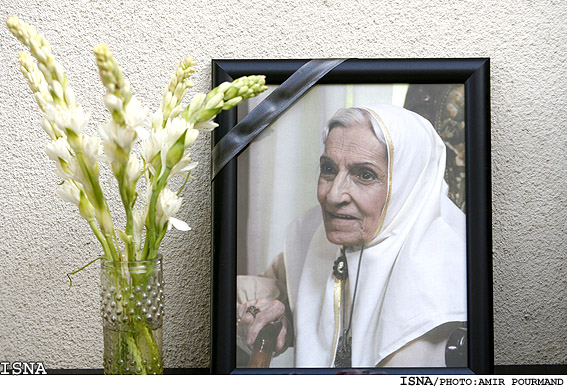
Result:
pixel 265 113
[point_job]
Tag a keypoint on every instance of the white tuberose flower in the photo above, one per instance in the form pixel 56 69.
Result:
pixel 67 167
pixel 124 136
pixel 206 126
pixel 135 113
pixel 178 224
pixel 91 146
pixel 59 149
pixel 133 169
pixel 69 192
pixel 67 119
pixel 169 204
pixel 190 137
pixel 113 133
pixel 166 138
pixel 157 120
pixel 148 151
pixel 183 167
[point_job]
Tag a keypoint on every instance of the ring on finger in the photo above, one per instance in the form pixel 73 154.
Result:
pixel 253 310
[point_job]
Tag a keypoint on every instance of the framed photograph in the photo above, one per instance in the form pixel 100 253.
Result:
pixel 352 219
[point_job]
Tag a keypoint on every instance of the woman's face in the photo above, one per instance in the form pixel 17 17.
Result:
pixel 353 185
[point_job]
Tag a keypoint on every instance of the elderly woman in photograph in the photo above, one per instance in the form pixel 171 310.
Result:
pixel 374 276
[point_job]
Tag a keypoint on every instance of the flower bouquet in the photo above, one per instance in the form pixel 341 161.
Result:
pixel 132 285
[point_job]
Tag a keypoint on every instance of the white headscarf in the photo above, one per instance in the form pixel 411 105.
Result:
pixel 413 274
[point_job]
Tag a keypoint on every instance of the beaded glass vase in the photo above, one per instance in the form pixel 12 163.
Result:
pixel 132 316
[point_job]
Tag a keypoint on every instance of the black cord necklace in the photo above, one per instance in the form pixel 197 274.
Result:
pixel 343 358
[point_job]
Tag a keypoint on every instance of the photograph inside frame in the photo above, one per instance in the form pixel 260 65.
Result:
pixel 351 230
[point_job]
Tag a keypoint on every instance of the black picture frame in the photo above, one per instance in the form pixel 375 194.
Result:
pixel 474 73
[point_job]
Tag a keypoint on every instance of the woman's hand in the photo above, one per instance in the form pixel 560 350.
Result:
pixel 270 311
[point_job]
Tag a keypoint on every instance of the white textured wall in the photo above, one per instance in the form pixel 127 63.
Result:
pixel 42 238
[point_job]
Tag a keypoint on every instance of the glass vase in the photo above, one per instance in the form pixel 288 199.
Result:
pixel 132 316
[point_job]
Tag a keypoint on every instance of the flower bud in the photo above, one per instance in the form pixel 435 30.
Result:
pixel 240 82
pixel 231 93
pixel 45 71
pixel 43 89
pixel 232 103
pixel 139 221
pixel 40 100
pixel 57 89
pixel 167 99
pixel 173 101
pixel 196 103
pixel 59 73
pixel 86 209
pixel 206 114
pixel 70 97
pixel 243 90
pixel 157 119
pixel 39 54
pixel 190 137
pixel 46 49
pixel 206 125
pixel 187 62
pixel 133 169
pixel 215 101
pixel 222 88
pixel 112 102
pixel 48 128
pixel 175 112
pixel 175 153
pixel 179 90
pixel 69 192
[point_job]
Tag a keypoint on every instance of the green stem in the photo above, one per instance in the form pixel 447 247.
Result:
pixel 127 202
pixel 100 238
pixel 160 237
pixel 184 183
pixel 150 248
pixel 130 245
pixel 148 333
pixel 150 224
pixel 96 196
pixel 125 189
pixel 134 350
pixel 113 254
pixel 80 269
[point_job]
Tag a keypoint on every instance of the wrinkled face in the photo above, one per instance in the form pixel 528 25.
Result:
pixel 353 185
